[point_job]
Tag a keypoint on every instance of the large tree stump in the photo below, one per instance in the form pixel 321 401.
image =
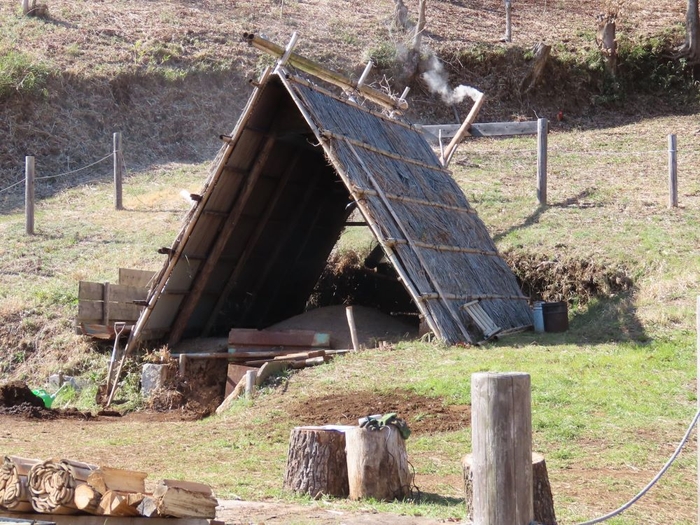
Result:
pixel 542 500
pixel 316 462
pixel 377 464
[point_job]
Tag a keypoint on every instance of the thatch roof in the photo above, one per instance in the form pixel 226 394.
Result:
pixel 277 200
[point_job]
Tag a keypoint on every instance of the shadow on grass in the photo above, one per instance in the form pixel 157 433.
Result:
pixel 534 217
pixel 431 498
pixel 607 320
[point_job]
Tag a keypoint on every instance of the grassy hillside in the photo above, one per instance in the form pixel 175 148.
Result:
pixel 611 397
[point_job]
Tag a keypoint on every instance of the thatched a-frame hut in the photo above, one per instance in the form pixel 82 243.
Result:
pixel 277 199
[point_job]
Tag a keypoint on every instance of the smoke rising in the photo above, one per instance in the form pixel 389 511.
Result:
pixel 436 78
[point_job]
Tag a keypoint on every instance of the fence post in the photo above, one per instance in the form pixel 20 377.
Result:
pixel 118 170
pixel 542 128
pixel 29 195
pixel 672 172
pixel 501 449
pixel 508 24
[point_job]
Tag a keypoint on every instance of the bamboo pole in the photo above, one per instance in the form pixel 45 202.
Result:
pixel 351 325
pixel 118 170
pixel 542 161
pixel 29 194
pixel 463 129
pixel 413 200
pixel 308 66
pixel 672 172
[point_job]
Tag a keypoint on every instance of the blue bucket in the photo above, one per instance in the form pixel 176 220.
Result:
pixel 538 317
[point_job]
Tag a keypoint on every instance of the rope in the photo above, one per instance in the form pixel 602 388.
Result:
pixel 653 481
pixel 13 185
pixel 75 171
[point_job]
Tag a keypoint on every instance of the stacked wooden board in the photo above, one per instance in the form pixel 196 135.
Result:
pixel 67 487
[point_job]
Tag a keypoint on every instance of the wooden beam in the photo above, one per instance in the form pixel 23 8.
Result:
pixel 481 129
pixel 332 77
pixel 262 223
pixel 452 146
pixel 272 258
pixel 200 280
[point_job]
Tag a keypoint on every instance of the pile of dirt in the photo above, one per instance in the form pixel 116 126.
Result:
pixel 424 415
pixel 572 280
pixel 17 399
pixel 372 325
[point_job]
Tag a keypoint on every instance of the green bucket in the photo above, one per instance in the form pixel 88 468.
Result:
pixel 44 396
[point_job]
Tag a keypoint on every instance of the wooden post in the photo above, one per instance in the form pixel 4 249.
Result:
pixel 502 448
pixel 542 126
pixel 352 327
pixel 182 362
pixel 29 195
pixel 672 172
pixel 118 170
pixel 508 25
pixel 250 377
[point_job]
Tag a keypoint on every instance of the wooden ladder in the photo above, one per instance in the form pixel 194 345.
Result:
pixel 482 319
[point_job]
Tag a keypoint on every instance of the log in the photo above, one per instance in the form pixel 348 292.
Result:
pixel 542 500
pixel 115 503
pixel 541 55
pixel 105 479
pixel 14 491
pixel 52 485
pixel 148 508
pixel 316 463
pixel 377 464
pixel 184 499
pixel 87 499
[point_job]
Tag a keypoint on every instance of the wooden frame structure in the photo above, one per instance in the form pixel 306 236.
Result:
pixel 278 198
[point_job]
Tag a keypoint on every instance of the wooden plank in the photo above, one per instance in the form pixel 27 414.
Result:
pixel 482 129
pixel 92 311
pixel 201 279
pixel 252 337
pixel 118 293
pixel 105 520
pixel 268 369
pixel 234 375
pixel 140 278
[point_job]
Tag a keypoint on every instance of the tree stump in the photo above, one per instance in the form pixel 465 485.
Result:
pixel 543 503
pixel 316 462
pixel 377 464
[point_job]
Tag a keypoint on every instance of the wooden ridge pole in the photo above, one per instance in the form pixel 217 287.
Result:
pixel 332 77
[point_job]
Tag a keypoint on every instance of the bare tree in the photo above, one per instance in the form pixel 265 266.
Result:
pixel 691 48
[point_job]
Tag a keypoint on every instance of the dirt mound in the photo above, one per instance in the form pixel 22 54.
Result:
pixel 372 325
pixel 17 393
pixel 424 415
pixel 548 278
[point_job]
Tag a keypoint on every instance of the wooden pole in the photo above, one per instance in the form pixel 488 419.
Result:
pixel 502 448
pixel 182 365
pixel 508 24
pixel 672 172
pixel 542 126
pixel 353 329
pixel 697 378
pixel 250 377
pixel 118 170
pixel 463 129
pixel 29 195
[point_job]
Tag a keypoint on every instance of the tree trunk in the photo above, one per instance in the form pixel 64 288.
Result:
pixel 691 49
pixel 543 503
pixel 316 463
pixel 541 55
pixel 377 464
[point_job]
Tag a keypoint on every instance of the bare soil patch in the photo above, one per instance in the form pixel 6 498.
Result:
pixel 424 415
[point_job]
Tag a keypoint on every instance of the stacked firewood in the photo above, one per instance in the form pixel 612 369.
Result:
pixel 72 487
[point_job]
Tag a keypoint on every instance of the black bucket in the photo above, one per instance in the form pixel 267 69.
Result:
pixel 556 317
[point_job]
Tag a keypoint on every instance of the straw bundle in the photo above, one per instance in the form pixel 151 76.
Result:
pixel 14 492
